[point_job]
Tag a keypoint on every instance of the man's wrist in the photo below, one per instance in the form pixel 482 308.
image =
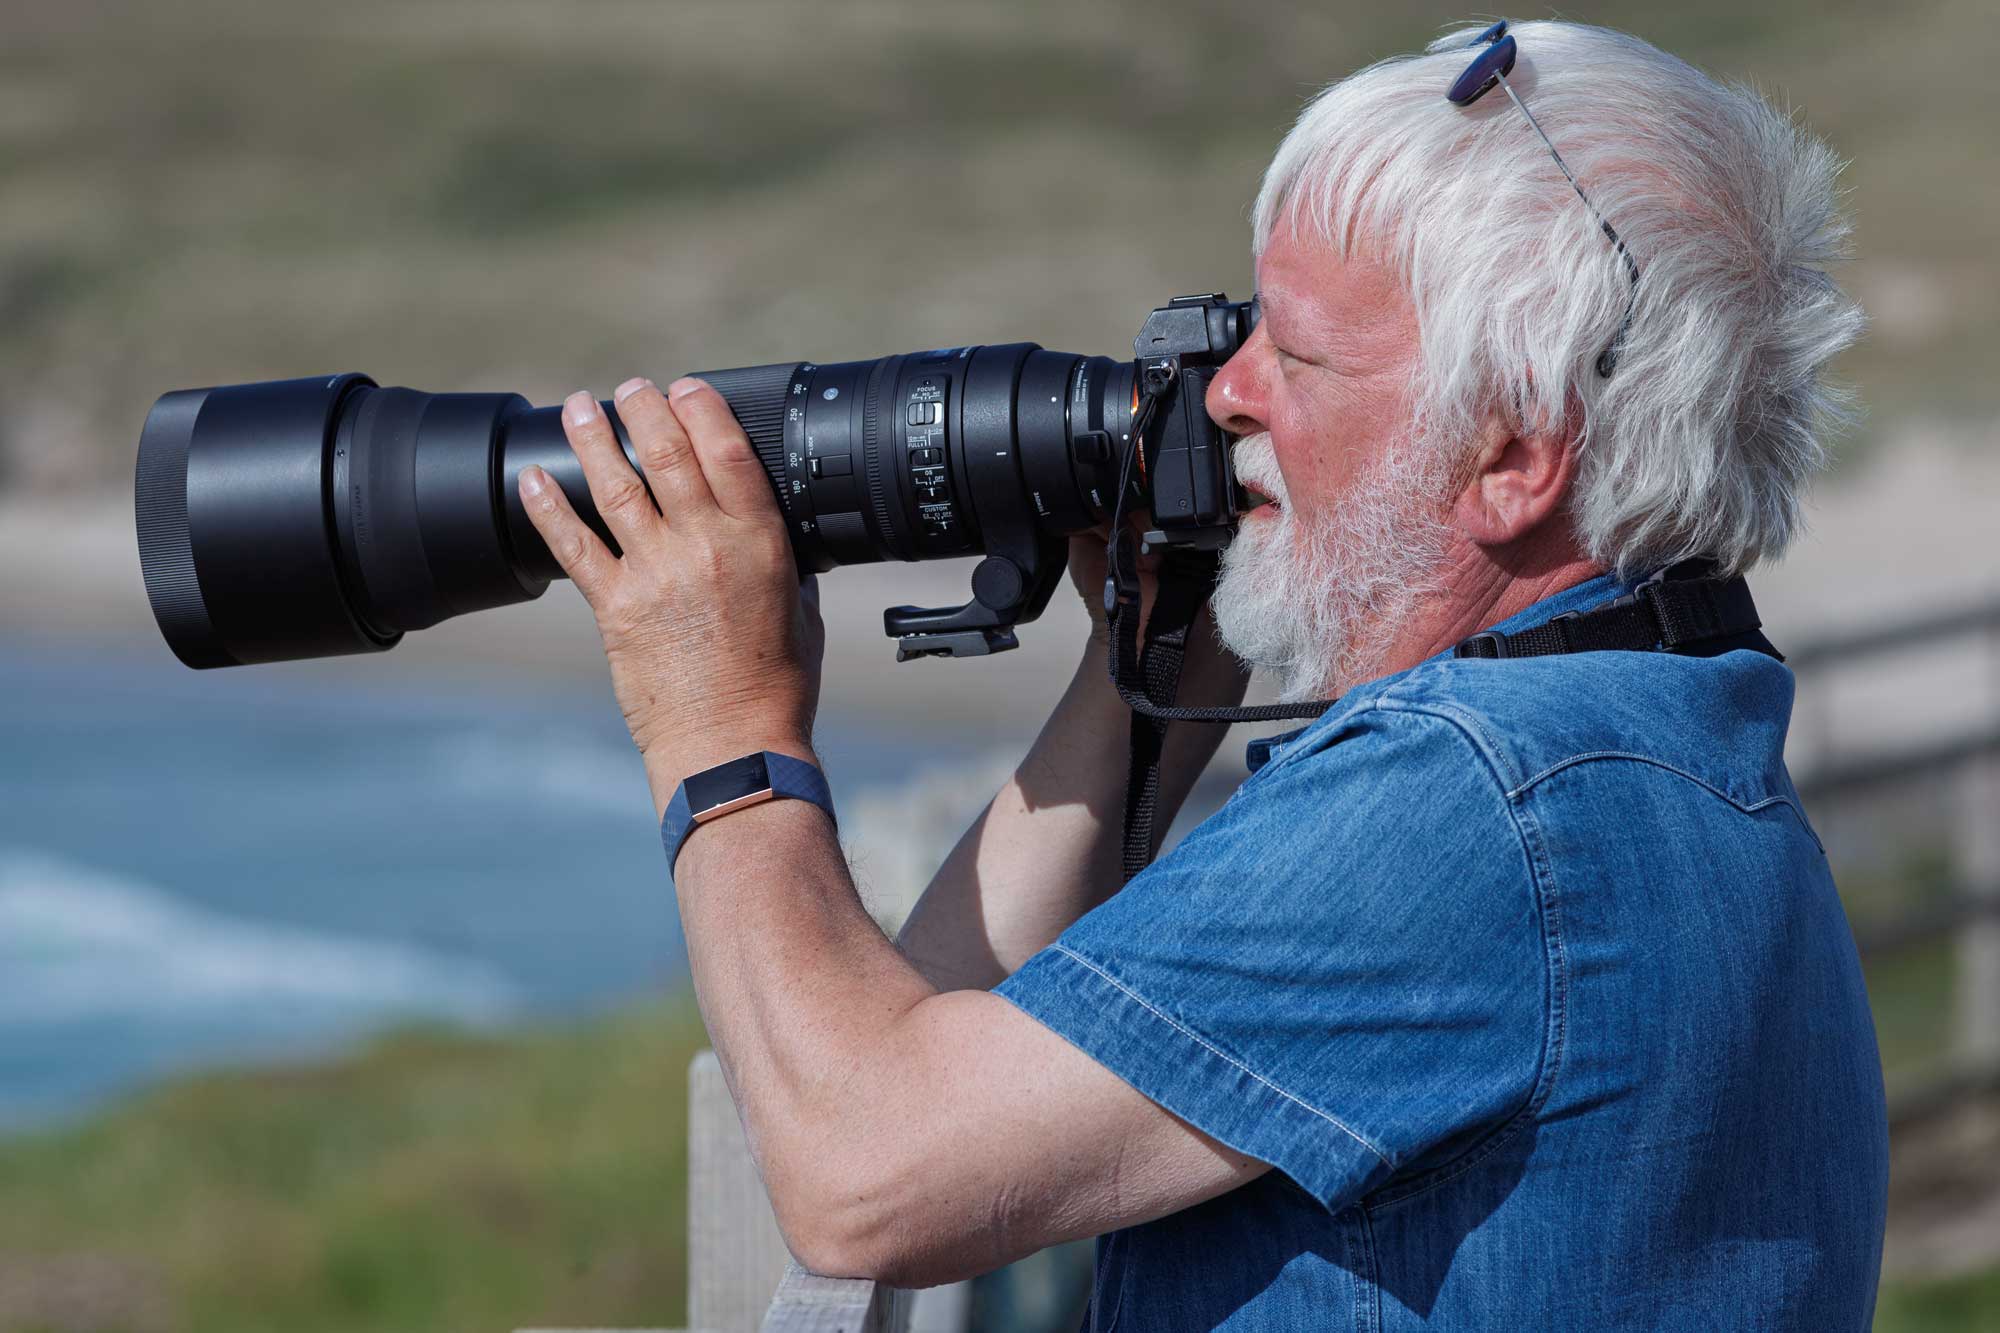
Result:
pixel 668 767
pixel 726 792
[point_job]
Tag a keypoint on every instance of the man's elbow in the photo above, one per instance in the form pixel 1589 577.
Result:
pixel 857 1223
pixel 831 1252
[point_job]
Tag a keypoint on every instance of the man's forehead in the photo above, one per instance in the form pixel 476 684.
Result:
pixel 1306 285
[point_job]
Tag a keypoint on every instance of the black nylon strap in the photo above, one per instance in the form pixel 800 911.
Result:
pixel 1179 600
pixel 1148 682
pixel 1155 699
pixel 1675 613
pixel 1680 610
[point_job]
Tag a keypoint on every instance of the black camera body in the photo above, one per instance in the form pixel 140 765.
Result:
pixel 1192 486
pixel 307 518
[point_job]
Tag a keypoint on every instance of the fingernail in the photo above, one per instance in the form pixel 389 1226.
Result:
pixel 533 480
pixel 681 388
pixel 579 408
pixel 629 387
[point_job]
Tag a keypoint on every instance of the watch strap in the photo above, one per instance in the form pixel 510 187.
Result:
pixel 764 775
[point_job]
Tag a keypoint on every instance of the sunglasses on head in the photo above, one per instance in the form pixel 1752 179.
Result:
pixel 1489 69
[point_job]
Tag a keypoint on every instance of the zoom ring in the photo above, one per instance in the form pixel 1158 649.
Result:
pixel 758 396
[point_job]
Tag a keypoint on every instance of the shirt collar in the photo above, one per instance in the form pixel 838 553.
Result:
pixel 1577 597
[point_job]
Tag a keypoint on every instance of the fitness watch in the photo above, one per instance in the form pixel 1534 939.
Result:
pixel 738 785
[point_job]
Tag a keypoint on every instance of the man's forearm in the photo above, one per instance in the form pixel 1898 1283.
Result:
pixel 1046 849
pixel 797 984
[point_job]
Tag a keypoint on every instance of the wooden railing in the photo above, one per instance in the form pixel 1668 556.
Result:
pixel 741 1279
pixel 1966 761
pixel 740 1276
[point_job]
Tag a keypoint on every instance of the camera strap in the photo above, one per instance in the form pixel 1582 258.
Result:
pixel 1683 609
pixel 1148 681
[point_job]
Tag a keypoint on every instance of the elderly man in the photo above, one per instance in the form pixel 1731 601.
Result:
pixel 1509 993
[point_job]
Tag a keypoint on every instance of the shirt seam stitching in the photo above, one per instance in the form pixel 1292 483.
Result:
pixel 1590 756
pixel 1287 753
pixel 1367 1276
pixel 1214 1050
pixel 1743 807
pixel 1555 1034
pixel 1555 967
pixel 1472 724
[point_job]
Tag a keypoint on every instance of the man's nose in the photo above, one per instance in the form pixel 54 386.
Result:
pixel 1235 398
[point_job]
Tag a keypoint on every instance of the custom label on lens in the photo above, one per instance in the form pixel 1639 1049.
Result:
pixel 923 422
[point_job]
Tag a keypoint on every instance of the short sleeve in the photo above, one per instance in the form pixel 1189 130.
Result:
pixel 1339 973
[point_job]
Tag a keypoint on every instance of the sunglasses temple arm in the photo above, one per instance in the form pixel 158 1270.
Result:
pixel 1631 265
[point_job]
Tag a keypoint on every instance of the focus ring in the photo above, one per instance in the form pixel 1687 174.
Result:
pixel 758 396
pixel 878 468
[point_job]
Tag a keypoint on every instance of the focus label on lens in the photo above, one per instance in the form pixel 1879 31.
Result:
pixel 929 478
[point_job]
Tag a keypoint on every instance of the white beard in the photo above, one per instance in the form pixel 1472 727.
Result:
pixel 1317 605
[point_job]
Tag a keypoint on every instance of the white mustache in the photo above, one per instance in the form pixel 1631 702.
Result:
pixel 1256 464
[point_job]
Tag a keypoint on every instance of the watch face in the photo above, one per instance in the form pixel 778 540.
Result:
pixel 727 782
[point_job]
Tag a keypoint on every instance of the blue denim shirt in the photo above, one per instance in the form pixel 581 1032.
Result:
pixel 1530 980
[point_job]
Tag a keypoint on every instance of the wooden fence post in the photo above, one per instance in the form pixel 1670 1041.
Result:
pixel 741 1278
pixel 736 1254
pixel 1976 1033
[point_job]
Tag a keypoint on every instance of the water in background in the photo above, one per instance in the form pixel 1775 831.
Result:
pixel 200 868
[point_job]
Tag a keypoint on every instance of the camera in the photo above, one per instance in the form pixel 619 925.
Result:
pixel 313 517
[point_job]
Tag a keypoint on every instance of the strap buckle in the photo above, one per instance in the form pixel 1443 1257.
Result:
pixel 1485 644
pixel 1641 591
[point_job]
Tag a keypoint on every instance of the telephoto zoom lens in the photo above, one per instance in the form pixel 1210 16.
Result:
pixel 313 517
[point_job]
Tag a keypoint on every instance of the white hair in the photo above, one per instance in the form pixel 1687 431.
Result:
pixel 1703 438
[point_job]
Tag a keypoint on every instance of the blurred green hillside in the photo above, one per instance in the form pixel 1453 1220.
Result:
pixel 477 195
pixel 433 1182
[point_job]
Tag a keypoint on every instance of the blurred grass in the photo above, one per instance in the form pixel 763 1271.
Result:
pixel 1950 1305
pixel 433 1181
pixel 1910 991
pixel 1911 996
pixel 462 195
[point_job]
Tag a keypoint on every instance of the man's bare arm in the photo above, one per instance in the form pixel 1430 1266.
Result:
pixel 905 1134
pixel 1046 849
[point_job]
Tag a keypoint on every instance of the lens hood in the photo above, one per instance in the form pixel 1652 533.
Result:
pixel 235 523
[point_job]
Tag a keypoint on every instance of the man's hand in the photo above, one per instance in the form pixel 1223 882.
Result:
pixel 1089 564
pixel 714 651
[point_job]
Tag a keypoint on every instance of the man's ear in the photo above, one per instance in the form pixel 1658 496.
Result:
pixel 1516 481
